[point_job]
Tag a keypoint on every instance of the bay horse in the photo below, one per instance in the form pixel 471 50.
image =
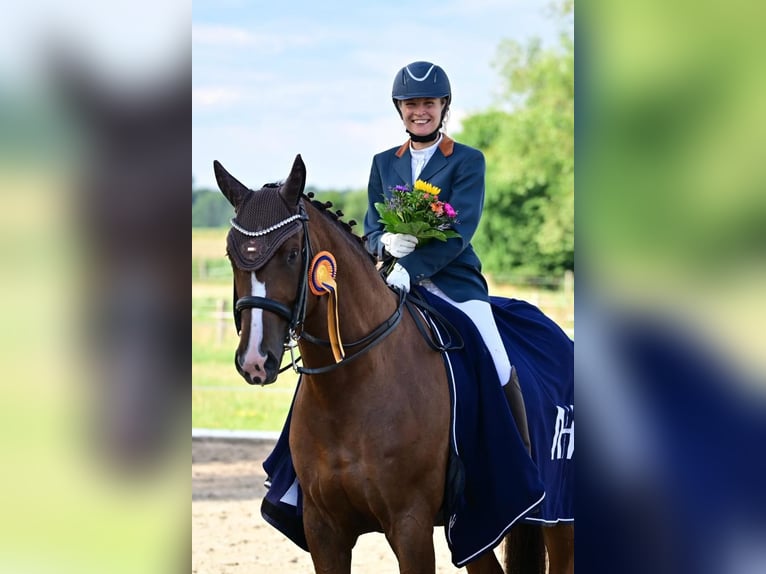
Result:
pixel 369 429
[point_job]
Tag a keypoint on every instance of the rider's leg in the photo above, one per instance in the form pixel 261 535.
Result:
pixel 480 312
pixel 515 400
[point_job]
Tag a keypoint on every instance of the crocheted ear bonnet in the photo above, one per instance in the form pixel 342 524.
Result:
pixel 262 224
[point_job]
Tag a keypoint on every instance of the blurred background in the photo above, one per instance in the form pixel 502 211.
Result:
pixel 671 222
pixel 94 156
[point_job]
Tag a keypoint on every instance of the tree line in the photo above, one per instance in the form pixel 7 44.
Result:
pixel 211 209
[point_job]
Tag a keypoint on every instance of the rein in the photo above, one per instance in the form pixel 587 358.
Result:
pixel 374 338
pixel 297 314
pixel 437 322
pixel 454 340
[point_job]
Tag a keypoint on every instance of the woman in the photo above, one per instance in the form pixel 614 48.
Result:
pixel 451 270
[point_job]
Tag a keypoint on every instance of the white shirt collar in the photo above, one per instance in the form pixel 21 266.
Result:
pixel 420 157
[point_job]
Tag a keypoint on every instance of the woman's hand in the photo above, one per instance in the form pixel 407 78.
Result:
pixel 399 277
pixel 399 244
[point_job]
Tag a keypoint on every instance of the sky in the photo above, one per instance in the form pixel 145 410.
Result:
pixel 273 79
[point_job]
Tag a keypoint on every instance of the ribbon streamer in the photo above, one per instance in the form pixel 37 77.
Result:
pixel 322 281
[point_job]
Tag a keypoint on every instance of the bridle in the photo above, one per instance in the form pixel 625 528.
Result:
pixel 296 316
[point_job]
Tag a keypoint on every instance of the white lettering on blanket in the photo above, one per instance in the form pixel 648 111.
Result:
pixel 564 428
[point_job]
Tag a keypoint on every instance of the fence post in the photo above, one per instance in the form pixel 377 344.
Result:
pixel 568 282
pixel 220 313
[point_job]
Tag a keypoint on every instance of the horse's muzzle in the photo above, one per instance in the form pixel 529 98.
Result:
pixel 256 374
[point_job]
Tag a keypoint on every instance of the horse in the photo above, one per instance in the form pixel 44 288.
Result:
pixel 369 428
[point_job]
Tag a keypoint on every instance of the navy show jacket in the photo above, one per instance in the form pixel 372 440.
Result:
pixel 458 170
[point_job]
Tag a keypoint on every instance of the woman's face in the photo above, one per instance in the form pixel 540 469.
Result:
pixel 421 116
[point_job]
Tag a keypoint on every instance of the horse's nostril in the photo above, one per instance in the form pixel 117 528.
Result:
pixel 253 380
pixel 271 363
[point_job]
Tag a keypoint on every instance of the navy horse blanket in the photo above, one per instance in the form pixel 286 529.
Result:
pixel 492 482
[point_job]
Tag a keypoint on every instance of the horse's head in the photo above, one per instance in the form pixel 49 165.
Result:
pixel 267 253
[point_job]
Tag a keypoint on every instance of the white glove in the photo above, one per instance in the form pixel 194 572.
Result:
pixel 399 244
pixel 399 277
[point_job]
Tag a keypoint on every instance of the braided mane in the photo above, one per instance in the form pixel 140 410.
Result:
pixel 325 207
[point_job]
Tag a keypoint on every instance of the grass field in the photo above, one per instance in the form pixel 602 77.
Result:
pixel 220 397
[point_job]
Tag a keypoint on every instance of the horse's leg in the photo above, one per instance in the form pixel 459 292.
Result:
pixel 411 539
pixel 485 564
pixel 525 550
pixel 559 540
pixel 330 549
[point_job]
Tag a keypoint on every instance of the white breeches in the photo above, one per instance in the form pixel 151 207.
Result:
pixel 480 312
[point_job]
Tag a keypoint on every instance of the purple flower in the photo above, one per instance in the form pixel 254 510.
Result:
pixel 450 211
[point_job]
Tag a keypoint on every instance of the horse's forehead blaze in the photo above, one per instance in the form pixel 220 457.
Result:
pixel 257 286
pixel 255 332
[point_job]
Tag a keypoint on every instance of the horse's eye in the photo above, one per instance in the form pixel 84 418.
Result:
pixel 293 255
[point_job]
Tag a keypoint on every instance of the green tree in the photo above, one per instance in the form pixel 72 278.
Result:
pixel 528 223
pixel 352 203
pixel 210 209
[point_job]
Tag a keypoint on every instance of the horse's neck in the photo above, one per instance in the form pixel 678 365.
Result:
pixel 364 300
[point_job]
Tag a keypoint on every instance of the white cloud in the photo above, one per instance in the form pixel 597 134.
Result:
pixel 214 96
pixel 455 119
pixel 221 36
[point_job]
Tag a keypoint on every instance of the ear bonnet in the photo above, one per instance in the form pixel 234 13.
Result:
pixel 261 225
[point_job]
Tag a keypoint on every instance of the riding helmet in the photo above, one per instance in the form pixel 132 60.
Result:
pixel 421 80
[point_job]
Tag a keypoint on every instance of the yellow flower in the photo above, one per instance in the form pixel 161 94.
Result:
pixel 427 187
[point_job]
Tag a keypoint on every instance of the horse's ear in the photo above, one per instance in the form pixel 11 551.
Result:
pixel 230 186
pixel 293 187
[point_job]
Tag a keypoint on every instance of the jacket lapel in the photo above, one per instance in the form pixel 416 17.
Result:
pixel 434 165
pixel 438 161
pixel 403 164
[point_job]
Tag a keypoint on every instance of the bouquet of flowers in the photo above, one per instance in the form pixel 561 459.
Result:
pixel 418 212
